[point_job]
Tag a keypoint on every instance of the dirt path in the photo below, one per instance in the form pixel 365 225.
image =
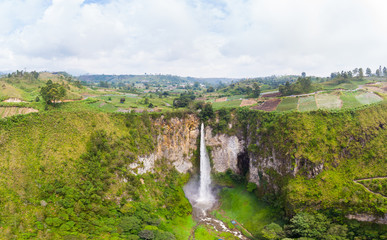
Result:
pixel 367 189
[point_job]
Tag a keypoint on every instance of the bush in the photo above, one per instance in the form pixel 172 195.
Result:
pixel 130 225
pixel 273 231
pixel 147 234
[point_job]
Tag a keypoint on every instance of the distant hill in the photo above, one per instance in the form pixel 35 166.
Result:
pixel 160 79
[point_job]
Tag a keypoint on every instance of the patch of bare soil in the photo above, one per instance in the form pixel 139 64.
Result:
pixel 223 99
pixel 13 100
pixel 247 102
pixel 268 105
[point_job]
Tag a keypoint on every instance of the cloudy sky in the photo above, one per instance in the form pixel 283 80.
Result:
pixel 201 38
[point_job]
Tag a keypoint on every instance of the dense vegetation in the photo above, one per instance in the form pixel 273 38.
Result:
pixel 70 188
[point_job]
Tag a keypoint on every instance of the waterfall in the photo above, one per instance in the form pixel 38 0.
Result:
pixel 205 195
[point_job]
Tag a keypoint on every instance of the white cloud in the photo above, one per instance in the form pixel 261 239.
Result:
pixel 230 38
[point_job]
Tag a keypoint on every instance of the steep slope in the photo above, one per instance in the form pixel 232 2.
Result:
pixel 72 174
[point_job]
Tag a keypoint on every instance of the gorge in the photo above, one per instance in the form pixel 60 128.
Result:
pixel 300 161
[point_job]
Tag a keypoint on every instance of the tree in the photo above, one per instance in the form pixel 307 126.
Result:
pixel 385 71
pixel 256 90
pixel 355 71
pixel 210 89
pixel 207 112
pixel 378 73
pixel 122 100
pixel 183 100
pixel 130 225
pixel 273 231
pixel 303 74
pixel 309 225
pixel 361 73
pixel 52 92
pixel 146 234
pixel 305 84
pixel 368 72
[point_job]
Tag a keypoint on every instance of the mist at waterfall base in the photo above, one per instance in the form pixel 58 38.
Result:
pixel 199 190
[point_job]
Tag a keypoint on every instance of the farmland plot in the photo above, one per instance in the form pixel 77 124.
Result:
pixel 307 104
pixel 288 104
pixel 368 98
pixel 328 101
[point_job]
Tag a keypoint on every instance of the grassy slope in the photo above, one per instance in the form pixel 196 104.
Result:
pixel 27 88
pixel 40 150
pixel 245 208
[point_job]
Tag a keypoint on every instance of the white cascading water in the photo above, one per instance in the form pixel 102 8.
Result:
pixel 202 198
pixel 205 196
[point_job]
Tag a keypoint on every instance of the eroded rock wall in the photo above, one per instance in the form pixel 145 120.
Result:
pixel 176 142
pixel 224 150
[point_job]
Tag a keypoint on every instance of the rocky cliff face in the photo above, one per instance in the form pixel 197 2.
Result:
pixel 368 218
pixel 224 151
pixel 176 142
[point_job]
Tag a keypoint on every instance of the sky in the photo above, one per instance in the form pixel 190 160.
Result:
pixel 199 38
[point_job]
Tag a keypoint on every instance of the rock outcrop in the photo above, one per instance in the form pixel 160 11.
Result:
pixel 368 218
pixel 224 151
pixel 176 142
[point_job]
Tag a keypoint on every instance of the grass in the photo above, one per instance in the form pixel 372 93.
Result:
pixel 226 104
pixel 288 104
pixel 181 227
pixel 132 101
pixel 351 85
pixel 307 104
pixel 328 101
pixel 245 208
pixel 209 233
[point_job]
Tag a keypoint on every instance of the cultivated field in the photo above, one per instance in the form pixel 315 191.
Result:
pixel 227 104
pixel 288 104
pixel 368 98
pixel 328 101
pixel 349 100
pixel 269 105
pixel 247 102
pixel 307 104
